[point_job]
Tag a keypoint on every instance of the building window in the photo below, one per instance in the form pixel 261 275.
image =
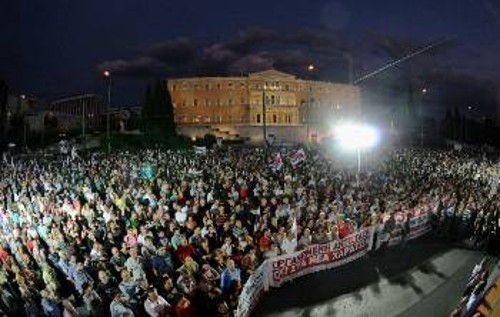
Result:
pixel 174 87
pixel 273 100
pixel 242 86
pixel 196 86
pixel 195 102
pixel 274 118
pixel 218 86
pixel 258 118
pixel 230 85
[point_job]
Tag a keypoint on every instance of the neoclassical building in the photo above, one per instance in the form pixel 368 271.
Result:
pixel 233 107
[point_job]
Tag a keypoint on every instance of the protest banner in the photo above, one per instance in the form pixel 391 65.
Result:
pixel 319 257
pixel 253 289
pixel 419 226
pixel 297 157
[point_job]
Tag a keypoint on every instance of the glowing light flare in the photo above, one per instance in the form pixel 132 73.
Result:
pixel 356 136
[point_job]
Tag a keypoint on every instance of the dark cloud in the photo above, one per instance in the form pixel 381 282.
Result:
pixel 316 39
pixel 291 59
pixel 181 50
pixel 218 53
pixel 250 39
pixel 250 50
pixel 251 63
pixel 139 67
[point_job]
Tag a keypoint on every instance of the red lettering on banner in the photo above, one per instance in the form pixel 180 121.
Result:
pixel 324 254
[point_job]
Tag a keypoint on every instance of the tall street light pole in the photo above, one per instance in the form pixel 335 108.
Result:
pixel 424 91
pixel 107 75
pixel 264 110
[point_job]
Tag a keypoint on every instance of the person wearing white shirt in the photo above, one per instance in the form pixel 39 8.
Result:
pixel 155 305
pixel 181 215
pixel 117 307
pixel 289 244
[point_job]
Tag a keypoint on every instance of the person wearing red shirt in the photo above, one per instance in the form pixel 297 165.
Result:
pixel 265 241
pixel 184 250
pixel 345 229
pixel 184 308
pixel 243 192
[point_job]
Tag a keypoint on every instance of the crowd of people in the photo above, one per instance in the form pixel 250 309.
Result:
pixel 163 233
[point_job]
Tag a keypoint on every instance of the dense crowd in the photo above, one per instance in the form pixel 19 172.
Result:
pixel 178 233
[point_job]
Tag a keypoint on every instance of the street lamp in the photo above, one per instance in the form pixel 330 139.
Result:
pixel 421 118
pixel 355 136
pixel 107 75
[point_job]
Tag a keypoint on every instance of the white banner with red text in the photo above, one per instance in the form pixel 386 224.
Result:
pixel 319 257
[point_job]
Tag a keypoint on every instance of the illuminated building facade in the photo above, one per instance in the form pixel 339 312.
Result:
pixel 232 107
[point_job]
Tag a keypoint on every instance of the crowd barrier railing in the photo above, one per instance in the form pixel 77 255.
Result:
pixel 274 272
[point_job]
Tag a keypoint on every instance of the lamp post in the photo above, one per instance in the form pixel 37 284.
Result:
pixel 107 75
pixel 264 118
pixel 424 92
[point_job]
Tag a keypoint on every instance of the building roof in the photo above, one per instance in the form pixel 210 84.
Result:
pixel 271 74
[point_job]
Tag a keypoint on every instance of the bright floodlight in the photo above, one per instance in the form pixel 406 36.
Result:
pixel 356 136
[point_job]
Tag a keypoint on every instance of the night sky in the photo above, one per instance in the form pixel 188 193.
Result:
pixel 58 48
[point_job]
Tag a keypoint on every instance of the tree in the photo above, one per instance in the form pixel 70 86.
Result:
pixel 158 112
